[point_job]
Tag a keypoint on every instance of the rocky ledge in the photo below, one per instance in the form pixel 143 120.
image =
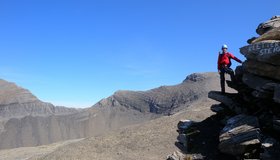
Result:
pixel 249 120
pixel 253 114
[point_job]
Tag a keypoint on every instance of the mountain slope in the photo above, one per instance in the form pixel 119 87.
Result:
pixel 165 99
pixel 18 107
pixel 16 102
pixel 11 93
pixel 150 140
pixel 119 110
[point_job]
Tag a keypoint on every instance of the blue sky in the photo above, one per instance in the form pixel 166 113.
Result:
pixel 76 52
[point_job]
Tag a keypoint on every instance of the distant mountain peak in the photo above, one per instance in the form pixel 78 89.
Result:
pixel 165 99
pixel 195 77
pixel 10 93
pixel 18 102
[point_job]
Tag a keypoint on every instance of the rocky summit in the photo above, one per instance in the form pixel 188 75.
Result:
pixel 247 122
pixel 255 118
pixel 264 27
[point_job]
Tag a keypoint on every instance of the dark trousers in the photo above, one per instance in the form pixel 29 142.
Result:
pixel 229 71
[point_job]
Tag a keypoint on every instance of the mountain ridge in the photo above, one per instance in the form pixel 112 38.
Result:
pixel 11 93
pixel 122 109
pixel 17 102
pixel 164 99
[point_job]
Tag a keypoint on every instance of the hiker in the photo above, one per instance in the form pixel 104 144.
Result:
pixel 224 63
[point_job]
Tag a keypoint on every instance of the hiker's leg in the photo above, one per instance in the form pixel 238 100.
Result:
pixel 231 73
pixel 222 80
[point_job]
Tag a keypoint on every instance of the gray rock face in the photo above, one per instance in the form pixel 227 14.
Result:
pixel 166 99
pixel 258 81
pixel 228 100
pixel 239 135
pixel 262 69
pixel 273 34
pixel 264 88
pixel 39 130
pixel 23 118
pixel 11 94
pixel 267 52
pixel 268 25
pixel 37 108
pixel 263 60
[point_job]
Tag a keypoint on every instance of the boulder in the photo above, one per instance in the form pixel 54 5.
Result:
pixel 262 86
pixel 255 82
pixel 183 140
pixel 268 25
pixel 250 41
pixel 218 108
pixel 184 124
pixel 227 99
pixel 268 52
pixel 194 157
pixel 176 156
pixel 262 69
pixel 240 135
pixel 273 34
pixel 251 122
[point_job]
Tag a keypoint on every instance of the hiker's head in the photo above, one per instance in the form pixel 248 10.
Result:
pixel 224 48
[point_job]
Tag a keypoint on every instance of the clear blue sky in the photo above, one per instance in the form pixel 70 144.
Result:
pixel 76 52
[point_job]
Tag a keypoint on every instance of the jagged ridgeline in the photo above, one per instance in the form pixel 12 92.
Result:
pixel 27 121
pixel 17 102
pixel 253 114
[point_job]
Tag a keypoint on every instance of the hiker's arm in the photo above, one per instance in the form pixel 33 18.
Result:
pixel 235 58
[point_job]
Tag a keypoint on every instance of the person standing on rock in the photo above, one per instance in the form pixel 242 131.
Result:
pixel 224 63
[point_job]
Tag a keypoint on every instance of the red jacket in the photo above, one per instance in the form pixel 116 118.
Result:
pixel 224 59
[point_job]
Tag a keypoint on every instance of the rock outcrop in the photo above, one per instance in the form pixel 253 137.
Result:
pixel 240 134
pixel 274 22
pixel 249 120
pixel 251 128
